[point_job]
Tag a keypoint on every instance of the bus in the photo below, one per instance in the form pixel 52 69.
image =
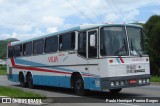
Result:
pixel 98 57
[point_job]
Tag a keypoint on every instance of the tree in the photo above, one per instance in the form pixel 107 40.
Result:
pixel 152 28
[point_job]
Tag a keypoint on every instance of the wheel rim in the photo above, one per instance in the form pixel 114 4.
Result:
pixel 79 84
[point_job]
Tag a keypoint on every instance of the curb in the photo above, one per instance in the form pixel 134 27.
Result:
pixel 155 83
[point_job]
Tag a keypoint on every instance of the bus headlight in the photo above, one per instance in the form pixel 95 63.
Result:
pixel 144 81
pixel 122 82
pixel 112 83
pixel 117 83
pixel 140 81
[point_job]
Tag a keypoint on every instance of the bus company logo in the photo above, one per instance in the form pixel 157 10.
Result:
pixel 53 59
pixel 6 100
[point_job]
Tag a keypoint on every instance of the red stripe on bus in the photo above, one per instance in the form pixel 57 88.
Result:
pixel 35 69
pixel 121 60
pixel 39 69
pixel 86 75
pixel 12 61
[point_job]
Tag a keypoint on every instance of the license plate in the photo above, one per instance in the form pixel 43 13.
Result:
pixel 132 81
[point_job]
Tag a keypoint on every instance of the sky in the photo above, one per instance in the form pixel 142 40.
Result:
pixel 24 19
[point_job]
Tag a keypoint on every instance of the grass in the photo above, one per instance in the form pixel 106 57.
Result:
pixel 3 72
pixel 13 92
pixel 155 79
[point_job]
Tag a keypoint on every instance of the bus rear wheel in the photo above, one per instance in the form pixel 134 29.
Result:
pixel 30 81
pixel 115 91
pixel 21 80
pixel 78 86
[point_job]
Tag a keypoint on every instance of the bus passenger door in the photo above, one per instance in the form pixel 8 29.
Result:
pixel 92 58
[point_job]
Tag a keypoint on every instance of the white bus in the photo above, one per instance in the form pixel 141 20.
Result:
pixel 88 57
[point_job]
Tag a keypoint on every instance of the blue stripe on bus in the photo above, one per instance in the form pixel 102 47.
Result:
pixel 29 63
pixel 58 81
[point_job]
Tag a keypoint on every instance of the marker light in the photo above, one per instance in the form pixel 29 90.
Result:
pixel 147 59
pixel 147 80
pixel 110 61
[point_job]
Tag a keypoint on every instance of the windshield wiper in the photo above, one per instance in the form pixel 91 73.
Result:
pixel 133 48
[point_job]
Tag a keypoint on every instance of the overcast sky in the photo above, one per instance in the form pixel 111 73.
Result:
pixel 23 19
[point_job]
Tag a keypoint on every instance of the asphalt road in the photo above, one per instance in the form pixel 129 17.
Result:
pixel 94 98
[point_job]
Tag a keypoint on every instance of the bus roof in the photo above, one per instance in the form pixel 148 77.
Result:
pixel 78 28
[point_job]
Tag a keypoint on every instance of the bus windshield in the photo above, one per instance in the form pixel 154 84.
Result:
pixel 136 41
pixel 113 41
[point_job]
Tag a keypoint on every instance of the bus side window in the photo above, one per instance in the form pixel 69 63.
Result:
pixel 82 44
pixel 27 49
pixel 67 41
pixel 38 46
pixel 51 44
pixel 60 42
pixel 10 52
pixel 17 50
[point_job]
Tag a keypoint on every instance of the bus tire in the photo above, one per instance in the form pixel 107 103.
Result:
pixel 115 91
pixel 21 80
pixel 30 81
pixel 78 85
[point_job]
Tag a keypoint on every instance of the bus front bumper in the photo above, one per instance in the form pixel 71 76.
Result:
pixel 125 81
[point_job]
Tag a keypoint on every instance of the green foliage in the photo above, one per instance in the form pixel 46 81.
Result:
pixel 152 28
pixel 3 70
pixel 155 79
pixel 3 47
pixel 3 67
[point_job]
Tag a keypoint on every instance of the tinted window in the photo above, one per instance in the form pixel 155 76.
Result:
pixel 17 50
pixel 27 48
pixel 51 44
pixel 67 41
pixel 10 51
pixel 82 44
pixel 38 46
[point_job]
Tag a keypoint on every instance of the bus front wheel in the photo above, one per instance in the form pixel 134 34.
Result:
pixel 115 91
pixel 79 86
pixel 30 81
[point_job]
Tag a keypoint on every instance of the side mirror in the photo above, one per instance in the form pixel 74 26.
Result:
pixel 93 40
